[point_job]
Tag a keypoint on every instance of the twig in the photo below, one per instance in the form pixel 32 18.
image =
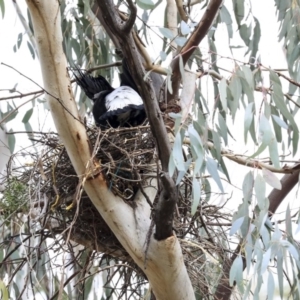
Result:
pixel 56 98
pixel 250 162
pixel 13 111
pixel 40 92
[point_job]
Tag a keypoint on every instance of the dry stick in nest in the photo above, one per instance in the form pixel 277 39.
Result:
pixel 95 237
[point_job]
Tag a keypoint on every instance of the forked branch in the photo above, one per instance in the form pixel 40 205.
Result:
pixel 154 115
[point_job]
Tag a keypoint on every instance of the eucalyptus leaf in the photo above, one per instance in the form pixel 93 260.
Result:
pixel 271 179
pixel 180 41
pixel 217 144
pixel 260 190
pixel 172 166
pixel 248 76
pixel 163 55
pixel 223 93
pixel 29 130
pixel 31 50
pixel 255 39
pixel 226 18
pixel 235 87
pixel 270 286
pixel 145 4
pixel 177 153
pixel 278 98
pixel 280 122
pixel 265 261
pixel 248 185
pixel 11 141
pixel 196 195
pixel 20 39
pixel 212 169
pixel 2 8
pixel 166 32
pixel 236 271
pixel 27 115
pixel 182 173
pixel 247 291
pixel 293 251
pixel 197 147
pixel 288 222
pixel 184 28
pixel 239 10
pixel 223 128
pixel 273 150
pixel 236 225
pixel 248 120
pixel 276 126
pixel 280 274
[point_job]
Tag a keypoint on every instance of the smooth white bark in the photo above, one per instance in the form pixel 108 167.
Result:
pixel 165 268
pixel 171 18
pixel 188 92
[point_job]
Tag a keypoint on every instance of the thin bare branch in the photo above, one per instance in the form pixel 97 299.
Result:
pixel 45 91
pixel 14 110
pixel 37 93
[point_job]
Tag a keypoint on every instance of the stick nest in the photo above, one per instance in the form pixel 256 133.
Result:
pixel 127 158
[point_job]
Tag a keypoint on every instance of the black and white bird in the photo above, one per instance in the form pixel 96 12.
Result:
pixel 122 106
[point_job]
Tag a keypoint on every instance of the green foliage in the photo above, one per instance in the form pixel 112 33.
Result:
pixel 15 199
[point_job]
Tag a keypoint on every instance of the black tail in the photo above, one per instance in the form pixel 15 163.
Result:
pixel 91 85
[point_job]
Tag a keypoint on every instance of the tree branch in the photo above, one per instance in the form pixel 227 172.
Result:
pixel 250 162
pixel 130 22
pixel 288 181
pixel 163 214
pixel 167 248
pixel 181 10
pixel 152 108
pixel 188 49
pixel 171 22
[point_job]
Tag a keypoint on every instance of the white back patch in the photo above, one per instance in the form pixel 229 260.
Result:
pixel 121 97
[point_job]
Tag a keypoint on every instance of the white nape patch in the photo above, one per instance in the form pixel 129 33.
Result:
pixel 121 97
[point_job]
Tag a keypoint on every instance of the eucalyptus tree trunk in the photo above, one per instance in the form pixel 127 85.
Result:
pixel 163 266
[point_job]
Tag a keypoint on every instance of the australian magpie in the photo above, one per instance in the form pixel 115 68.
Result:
pixel 122 106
